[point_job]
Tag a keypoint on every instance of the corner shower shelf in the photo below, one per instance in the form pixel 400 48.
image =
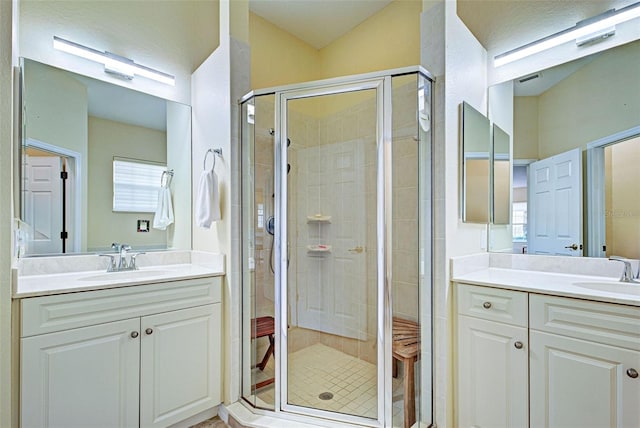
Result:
pixel 318 249
pixel 318 218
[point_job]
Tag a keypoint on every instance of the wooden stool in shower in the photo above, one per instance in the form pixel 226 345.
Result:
pixel 406 348
pixel 260 327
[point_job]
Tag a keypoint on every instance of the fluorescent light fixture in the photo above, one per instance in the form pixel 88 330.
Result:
pixel 113 64
pixel 583 32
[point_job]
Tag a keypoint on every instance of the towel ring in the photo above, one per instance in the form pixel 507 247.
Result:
pixel 214 152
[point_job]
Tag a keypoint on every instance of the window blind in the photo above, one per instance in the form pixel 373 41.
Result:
pixel 136 186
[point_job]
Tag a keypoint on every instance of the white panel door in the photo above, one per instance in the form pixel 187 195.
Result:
pixel 332 284
pixel 555 205
pixel 492 374
pixel 43 203
pixel 85 377
pixel 180 365
pixel 581 384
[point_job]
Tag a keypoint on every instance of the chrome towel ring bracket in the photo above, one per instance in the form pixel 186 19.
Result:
pixel 214 152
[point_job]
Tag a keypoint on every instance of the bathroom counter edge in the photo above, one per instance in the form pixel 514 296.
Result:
pixel 50 284
pixel 556 284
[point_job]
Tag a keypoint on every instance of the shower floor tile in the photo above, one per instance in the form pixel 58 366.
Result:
pixel 320 368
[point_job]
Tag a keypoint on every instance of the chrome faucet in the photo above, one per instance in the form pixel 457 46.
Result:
pixel 627 273
pixel 122 250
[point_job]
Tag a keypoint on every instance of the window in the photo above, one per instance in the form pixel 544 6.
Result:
pixel 136 185
pixel 519 221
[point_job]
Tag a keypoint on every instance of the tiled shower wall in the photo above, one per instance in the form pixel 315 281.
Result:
pixel 350 123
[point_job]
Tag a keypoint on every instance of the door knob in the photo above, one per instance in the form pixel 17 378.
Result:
pixel 632 373
pixel 573 247
pixel 149 331
pixel 518 345
pixel 134 334
pixel 357 249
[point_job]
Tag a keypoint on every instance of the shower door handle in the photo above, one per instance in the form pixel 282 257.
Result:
pixel 356 250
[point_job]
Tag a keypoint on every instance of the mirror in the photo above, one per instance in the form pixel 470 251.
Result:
pixel 73 129
pixel 587 104
pixel 475 165
pixel 501 177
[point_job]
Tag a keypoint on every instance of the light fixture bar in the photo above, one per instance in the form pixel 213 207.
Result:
pixel 604 22
pixel 113 64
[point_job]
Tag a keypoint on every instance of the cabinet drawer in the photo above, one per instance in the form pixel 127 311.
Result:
pixel 66 311
pixel 492 304
pixel 616 325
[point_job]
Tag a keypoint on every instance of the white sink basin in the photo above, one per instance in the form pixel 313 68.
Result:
pixel 612 287
pixel 125 275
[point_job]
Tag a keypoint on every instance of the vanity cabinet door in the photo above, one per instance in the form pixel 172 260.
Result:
pixel 492 370
pixel 180 365
pixel 577 383
pixel 82 377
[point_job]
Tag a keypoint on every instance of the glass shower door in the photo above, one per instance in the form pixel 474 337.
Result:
pixel 331 266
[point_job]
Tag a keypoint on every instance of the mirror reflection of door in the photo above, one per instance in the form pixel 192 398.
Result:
pixel 48 201
pixel 43 202
pixel 555 205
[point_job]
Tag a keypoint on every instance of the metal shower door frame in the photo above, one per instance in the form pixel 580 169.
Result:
pixel 382 86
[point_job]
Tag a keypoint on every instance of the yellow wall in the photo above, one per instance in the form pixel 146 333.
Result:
pixel 622 207
pixel 109 139
pixel 279 58
pixel 388 39
pixel 600 99
pixel 525 128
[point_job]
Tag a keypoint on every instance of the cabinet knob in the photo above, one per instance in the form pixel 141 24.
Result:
pixel 486 305
pixel 134 334
pixel 518 345
pixel 632 373
pixel 149 331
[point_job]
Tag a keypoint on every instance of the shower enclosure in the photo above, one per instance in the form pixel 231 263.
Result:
pixel 337 249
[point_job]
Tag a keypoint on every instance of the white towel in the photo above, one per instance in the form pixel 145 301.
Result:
pixel 164 211
pixel 207 199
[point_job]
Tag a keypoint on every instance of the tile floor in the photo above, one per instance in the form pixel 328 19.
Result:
pixel 211 423
pixel 319 368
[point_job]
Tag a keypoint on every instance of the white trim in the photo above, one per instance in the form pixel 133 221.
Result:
pixel 615 138
pixel 250 416
pixel 76 185
pixel 523 162
pixel 477 155
pixel 596 225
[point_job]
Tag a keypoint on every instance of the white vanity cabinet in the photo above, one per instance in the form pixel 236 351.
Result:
pixel 492 364
pixel 579 367
pixel 147 356
pixel 585 359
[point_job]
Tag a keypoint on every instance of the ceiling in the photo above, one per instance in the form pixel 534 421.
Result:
pixel 120 104
pixel 502 25
pixel 536 83
pixel 499 25
pixel 317 22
